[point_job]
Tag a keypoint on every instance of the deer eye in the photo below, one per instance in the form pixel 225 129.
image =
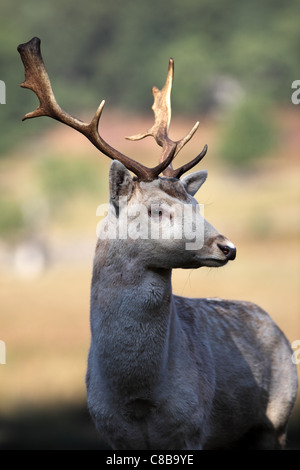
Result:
pixel 155 212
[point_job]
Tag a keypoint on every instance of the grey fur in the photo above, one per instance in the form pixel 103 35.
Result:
pixel 173 373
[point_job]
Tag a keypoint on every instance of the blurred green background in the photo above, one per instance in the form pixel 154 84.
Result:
pixel 234 66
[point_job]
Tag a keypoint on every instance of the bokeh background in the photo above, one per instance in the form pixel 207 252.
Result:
pixel 235 63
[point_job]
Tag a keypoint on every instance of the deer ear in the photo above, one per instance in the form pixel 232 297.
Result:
pixel 120 182
pixel 194 181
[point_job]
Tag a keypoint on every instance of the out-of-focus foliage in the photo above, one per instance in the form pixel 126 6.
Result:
pixel 118 50
pixel 248 134
pixel 61 179
pixel 11 218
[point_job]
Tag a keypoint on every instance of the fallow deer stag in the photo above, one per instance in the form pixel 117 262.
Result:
pixel 167 372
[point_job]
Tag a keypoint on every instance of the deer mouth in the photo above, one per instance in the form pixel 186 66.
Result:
pixel 212 262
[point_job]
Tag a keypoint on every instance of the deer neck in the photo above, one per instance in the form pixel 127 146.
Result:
pixel 132 319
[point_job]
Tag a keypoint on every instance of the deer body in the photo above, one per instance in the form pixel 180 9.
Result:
pixel 166 372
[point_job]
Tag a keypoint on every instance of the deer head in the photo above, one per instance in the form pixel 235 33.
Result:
pixel 158 195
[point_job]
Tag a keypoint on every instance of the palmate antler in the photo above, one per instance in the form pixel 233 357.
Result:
pixel 37 80
pixel 162 118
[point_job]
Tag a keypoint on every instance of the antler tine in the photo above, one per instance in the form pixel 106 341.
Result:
pixel 162 117
pixel 37 80
pixel 179 172
pixel 162 111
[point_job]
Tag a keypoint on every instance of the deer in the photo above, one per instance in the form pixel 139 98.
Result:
pixel 164 371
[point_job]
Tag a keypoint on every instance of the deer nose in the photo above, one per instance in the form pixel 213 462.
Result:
pixel 229 250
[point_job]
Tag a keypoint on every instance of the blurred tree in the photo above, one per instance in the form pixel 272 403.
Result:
pixel 62 179
pixel 11 219
pixel 248 134
pixel 118 50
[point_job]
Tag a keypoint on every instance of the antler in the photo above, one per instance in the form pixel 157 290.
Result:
pixel 162 117
pixel 37 80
